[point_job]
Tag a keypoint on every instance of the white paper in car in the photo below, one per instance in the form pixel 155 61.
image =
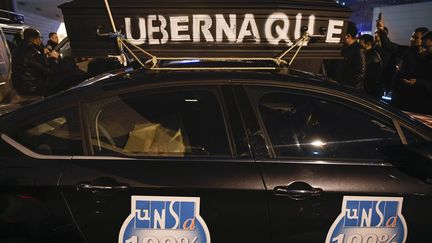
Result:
pixel 155 139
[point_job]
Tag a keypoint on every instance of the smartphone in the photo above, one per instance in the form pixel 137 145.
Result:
pixel 380 16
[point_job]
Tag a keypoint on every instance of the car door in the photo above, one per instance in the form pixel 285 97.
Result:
pixel 33 151
pixel 168 165
pixel 328 174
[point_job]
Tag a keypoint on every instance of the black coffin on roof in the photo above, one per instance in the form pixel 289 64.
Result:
pixel 179 28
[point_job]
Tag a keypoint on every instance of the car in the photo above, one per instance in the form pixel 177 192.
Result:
pixel 11 28
pixel 221 156
pixel 11 35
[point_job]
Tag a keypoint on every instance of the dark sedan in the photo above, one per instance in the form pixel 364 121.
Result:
pixel 148 157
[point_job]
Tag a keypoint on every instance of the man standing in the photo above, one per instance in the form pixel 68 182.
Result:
pixel 30 67
pixel 412 55
pixel 422 83
pixel 405 97
pixel 53 41
pixel 372 84
pixel 351 71
pixel 389 53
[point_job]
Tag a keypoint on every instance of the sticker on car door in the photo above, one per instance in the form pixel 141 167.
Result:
pixel 164 220
pixel 369 219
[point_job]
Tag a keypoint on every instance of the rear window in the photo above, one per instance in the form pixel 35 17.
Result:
pixel 304 126
pixel 179 124
pixel 53 134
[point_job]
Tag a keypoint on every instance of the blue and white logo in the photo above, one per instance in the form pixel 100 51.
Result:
pixel 369 219
pixel 164 220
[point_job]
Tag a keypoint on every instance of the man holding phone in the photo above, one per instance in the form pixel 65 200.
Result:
pixel 422 82
pixel 30 67
pixel 401 63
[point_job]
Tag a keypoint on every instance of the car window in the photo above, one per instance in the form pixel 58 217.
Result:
pixel 305 126
pixel 13 40
pixel 181 123
pixel 65 50
pixel 57 134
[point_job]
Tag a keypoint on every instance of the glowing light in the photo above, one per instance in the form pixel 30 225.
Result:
pixel 191 100
pixel 61 32
pixel 185 61
pixel 318 143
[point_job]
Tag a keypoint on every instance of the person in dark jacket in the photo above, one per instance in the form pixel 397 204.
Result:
pixel 351 71
pixel 411 56
pixel 53 41
pixel 422 82
pixel 405 96
pixel 372 84
pixel 390 55
pixel 30 67
pixel 400 63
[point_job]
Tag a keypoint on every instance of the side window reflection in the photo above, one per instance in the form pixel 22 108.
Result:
pixel 302 126
pixel 183 123
pixel 58 134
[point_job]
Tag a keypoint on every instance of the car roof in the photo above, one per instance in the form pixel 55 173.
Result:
pixel 128 77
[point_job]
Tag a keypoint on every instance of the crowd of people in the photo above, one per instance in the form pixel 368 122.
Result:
pixel 375 65
pixel 32 64
pixel 37 70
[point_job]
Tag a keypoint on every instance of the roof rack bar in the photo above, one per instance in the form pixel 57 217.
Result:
pixel 217 58
pixel 212 68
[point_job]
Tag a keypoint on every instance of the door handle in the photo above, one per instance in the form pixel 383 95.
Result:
pixel 297 191
pixel 90 187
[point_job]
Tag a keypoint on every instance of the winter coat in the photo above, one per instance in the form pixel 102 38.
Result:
pixel 30 70
pixel 374 67
pixel 352 69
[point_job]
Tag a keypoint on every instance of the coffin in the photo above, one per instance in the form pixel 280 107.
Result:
pixel 192 28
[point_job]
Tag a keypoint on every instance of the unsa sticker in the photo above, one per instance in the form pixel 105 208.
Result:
pixel 369 219
pixel 164 220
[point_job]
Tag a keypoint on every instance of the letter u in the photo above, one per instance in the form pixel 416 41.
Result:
pixel 142 31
